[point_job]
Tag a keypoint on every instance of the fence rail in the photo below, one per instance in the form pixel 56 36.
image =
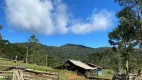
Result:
pixel 30 73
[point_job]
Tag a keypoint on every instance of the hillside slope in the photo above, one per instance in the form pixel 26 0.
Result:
pixel 69 51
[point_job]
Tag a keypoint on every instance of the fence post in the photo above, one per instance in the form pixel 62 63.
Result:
pixel 15 59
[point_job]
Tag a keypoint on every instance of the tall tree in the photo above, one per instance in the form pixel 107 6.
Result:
pixel 35 54
pixel 128 33
pixel 30 47
pixel 123 37
pixel 136 7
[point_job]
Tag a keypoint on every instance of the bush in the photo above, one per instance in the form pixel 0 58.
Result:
pixel 9 77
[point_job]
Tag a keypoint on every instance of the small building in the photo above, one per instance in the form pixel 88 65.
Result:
pixel 80 68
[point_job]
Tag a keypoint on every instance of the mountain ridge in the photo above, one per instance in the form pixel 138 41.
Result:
pixel 69 51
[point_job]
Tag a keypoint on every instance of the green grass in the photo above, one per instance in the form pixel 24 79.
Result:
pixel 107 74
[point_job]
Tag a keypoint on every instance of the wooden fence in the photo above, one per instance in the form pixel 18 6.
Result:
pixel 22 73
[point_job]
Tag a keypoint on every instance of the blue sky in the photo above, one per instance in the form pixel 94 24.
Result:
pixel 58 22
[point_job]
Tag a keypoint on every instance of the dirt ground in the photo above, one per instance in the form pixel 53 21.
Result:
pixel 73 76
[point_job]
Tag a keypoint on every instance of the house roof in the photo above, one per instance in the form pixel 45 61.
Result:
pixel 81 64
pixel 93 65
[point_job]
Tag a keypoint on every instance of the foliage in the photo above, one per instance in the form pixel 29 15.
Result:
pixel 9 50
pixel 133 16
pixel 9 77
pixel 58 55
pixel 116 61
pixel 35 55
pixel 0 27
pixel 107 59
pixel 0 33
pixel 33 39
pixel 127 35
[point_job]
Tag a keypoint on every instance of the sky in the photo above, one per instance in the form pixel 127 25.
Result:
pixel 59 22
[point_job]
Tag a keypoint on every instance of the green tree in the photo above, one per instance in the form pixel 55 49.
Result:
pixel 136 8
pixel 107 59
pixel 33 39
pixel 12 50
pixel 128 32
pixel 0 33
pixel 124 36
pixel 35 53
pixel 3 44
pixel 96 58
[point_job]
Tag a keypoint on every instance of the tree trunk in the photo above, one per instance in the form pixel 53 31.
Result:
pixel 27 53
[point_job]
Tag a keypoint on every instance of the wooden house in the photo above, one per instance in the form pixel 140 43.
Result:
pixel 80 68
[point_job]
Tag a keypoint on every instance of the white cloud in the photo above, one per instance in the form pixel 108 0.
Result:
pixel 37 16
pixel 61 18
pixel 51 17
pixel 97 22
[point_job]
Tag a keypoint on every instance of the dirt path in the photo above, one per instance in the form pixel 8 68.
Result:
pixel 71 76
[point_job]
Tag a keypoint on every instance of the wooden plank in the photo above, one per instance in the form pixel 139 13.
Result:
pixel 13 67
pixel 17 75
pixel 6 71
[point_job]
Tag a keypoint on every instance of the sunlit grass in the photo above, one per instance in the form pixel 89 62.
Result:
pixel 107 74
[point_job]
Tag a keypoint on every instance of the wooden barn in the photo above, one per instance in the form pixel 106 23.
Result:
pixel 80 68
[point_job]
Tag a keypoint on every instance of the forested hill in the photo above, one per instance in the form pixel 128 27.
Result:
pixel 68 51
pixel 72 51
